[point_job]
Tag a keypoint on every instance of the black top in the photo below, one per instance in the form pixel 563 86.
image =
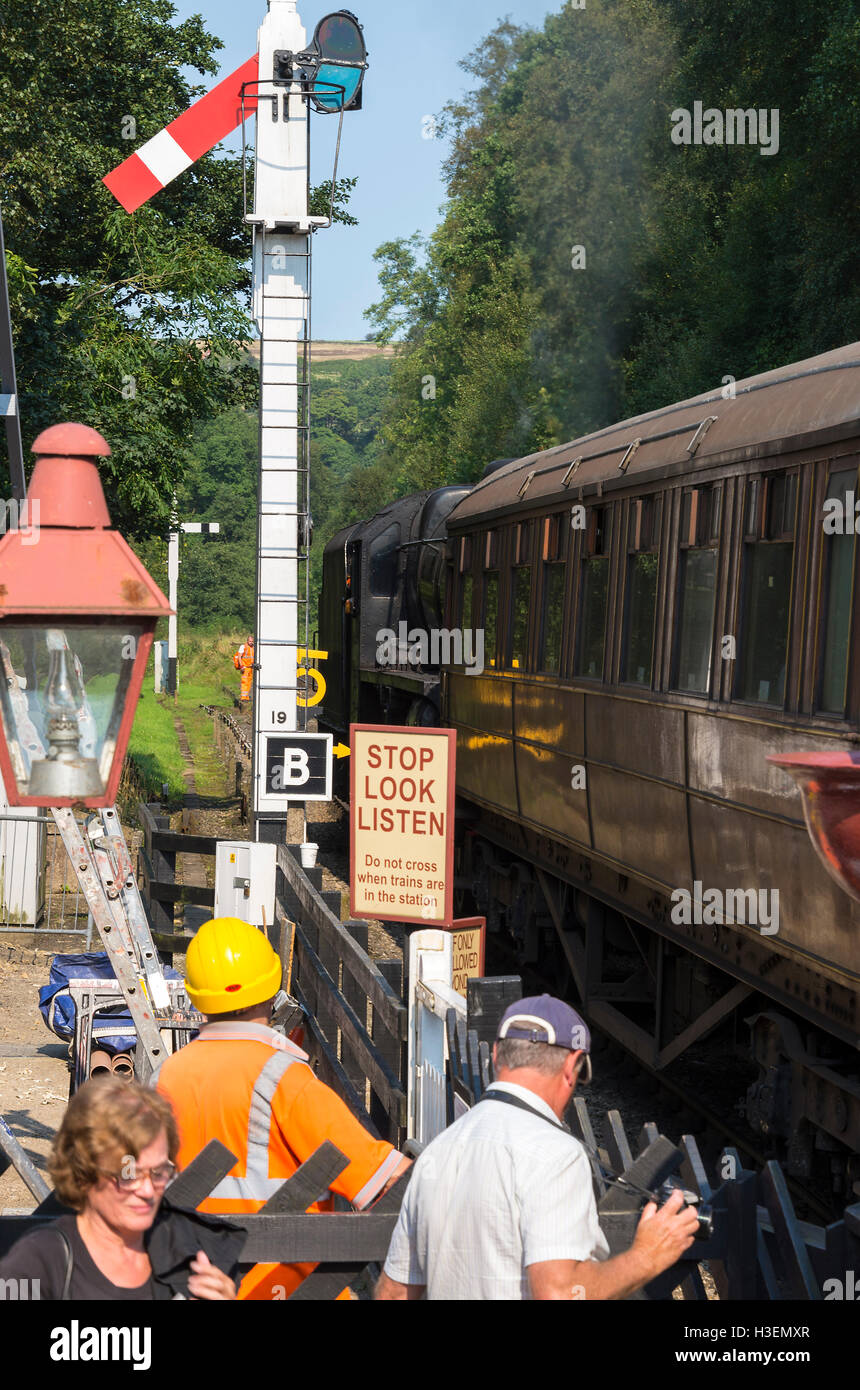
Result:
pixel 41 1256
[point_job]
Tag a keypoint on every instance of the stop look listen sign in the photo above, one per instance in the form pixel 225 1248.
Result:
pixel 402 824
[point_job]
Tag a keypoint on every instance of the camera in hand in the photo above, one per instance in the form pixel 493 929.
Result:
pixel 704 1212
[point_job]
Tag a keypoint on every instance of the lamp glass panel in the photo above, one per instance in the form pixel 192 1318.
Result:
pixel 336 86
pixel 63 691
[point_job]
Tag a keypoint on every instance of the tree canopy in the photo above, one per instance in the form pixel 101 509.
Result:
pixel 587 267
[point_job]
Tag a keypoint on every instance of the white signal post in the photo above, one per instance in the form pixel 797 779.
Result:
pixel 280 94
pixel 282 227
pixel 206 528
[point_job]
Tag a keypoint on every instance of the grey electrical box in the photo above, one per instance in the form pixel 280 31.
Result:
pixel 245 881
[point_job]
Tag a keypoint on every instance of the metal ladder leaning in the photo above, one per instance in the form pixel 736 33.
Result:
pixel 102 863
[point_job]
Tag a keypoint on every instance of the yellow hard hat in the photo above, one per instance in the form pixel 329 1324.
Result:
pixel 230 965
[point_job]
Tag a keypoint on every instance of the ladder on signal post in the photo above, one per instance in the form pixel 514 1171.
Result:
pixel 158 1006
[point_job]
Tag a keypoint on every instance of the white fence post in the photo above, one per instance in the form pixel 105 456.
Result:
pixel 22 864
pixel 430 997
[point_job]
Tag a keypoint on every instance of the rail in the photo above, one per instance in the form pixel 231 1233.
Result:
pixel 157 869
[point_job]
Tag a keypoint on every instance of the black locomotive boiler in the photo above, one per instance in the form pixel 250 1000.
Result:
pixel 662 606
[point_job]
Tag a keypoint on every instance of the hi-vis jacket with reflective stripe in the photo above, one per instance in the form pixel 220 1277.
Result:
pixel 251 1088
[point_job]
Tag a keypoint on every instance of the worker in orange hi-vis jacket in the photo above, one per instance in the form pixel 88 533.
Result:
pixel 243 660
pixel 247 1085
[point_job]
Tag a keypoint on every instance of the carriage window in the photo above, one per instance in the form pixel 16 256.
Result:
pixel 766 603
pixel 520 626
pixel 491 614
pixel 641 591
pixel 838 585
pixel 468 586
pixel 553 613
pixel 696 630
pixel 701 512
pixel 592 626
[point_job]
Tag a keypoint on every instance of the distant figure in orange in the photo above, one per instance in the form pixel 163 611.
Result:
pixel 243 660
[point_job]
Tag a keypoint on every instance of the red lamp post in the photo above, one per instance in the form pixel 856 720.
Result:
pixel 77 617
pixel 830 788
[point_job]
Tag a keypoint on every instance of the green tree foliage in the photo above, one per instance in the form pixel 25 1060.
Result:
pixel 589 268
pixel 129 324
pixel 218 575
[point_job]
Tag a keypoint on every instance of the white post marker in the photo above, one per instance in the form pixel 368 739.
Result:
pixel 207 528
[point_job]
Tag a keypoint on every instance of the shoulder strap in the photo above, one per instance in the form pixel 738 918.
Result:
pixel 507 1099
pixel 70 1265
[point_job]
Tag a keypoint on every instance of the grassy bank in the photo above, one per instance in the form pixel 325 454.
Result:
pixel 204 668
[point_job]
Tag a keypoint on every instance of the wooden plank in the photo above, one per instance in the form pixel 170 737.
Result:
pixel 474 1063
pixel 203 1173
pixel 796 1267
pixel 386 1084
pixel 181 842
pixel 741 1221
pixel 159 891
pixel 311 1182
pixel 693 1172
pixel 360 1004
pixel 296 1237
pixel 647 1134
pixel 327 1282
pixel 616 1143
pixel 312 908
pixel 330 1070
pixel 392 1048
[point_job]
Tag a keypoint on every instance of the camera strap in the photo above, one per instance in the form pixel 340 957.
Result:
pixel 609 1178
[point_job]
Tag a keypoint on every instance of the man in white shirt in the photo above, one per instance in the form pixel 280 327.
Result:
pixel 501 1205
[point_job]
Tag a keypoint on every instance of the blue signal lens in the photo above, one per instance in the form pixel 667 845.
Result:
pixel 331 97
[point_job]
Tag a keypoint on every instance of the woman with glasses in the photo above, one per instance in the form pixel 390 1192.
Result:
pixel 111 1162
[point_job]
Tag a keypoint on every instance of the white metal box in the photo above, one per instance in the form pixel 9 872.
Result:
pixel 245 881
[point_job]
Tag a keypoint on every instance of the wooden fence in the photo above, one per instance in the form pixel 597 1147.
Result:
pixel 356 1019
pixel 157 869
pixel 759 1249
pixel 342 1244
pixel 356 1016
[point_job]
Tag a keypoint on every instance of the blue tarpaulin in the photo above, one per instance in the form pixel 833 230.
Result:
pixel 112 1028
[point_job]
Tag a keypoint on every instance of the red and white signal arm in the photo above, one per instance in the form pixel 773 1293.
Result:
pixel 185 140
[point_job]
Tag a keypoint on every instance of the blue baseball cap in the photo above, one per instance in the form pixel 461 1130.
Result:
pixel 543 1019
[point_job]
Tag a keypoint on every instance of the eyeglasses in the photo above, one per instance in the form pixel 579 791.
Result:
pixel 159 1177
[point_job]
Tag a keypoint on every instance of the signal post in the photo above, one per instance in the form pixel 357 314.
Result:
pixel 281 83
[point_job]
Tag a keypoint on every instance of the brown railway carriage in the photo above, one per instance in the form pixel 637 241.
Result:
pixel 662 608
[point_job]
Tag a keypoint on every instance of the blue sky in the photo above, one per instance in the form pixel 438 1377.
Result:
pixel 414 48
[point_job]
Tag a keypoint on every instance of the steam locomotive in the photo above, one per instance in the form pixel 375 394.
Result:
pixel 660 607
